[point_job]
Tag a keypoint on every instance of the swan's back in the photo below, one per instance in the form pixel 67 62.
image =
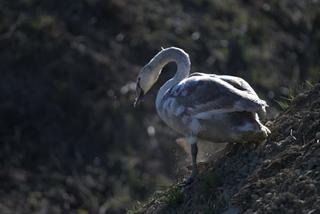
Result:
pixel 236 82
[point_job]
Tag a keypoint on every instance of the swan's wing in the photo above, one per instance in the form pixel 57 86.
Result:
pixel 244 86
pixel 203 96
pixel 236 82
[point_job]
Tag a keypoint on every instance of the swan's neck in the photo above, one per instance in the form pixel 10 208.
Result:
pixel 182 60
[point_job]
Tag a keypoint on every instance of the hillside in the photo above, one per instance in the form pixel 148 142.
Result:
pixel 281 175
pixel 70 139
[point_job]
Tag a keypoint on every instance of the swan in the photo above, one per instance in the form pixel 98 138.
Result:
pixel 216 108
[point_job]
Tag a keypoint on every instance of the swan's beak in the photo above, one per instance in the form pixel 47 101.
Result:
pixel 139 96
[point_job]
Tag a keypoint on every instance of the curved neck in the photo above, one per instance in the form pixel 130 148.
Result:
pixel 182 60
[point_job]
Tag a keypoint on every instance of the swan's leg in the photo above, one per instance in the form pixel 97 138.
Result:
pixel 194 153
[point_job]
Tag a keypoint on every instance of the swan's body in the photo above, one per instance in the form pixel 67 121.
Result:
pixel 217 108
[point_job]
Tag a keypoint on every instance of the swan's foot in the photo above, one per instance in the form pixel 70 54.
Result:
pixel 192 177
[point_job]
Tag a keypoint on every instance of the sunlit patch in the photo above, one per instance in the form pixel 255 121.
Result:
pixel 195 35
pixel 151 131
pixel 130 86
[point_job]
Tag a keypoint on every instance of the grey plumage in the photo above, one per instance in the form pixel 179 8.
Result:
pixel 205 103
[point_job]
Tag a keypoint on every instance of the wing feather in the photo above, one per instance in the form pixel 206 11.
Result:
pixel 204 95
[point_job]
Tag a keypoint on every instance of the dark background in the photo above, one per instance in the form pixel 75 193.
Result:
pixel 70 140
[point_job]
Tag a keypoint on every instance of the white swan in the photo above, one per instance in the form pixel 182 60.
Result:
pixel 213 107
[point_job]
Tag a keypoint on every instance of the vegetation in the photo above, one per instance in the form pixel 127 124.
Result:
pixel 70 141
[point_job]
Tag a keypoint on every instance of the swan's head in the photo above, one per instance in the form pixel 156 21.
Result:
pixel 147 77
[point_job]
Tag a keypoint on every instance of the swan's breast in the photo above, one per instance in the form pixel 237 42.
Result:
pixel 176 116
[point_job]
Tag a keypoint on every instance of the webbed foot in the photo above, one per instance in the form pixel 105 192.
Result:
pixel 192 177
